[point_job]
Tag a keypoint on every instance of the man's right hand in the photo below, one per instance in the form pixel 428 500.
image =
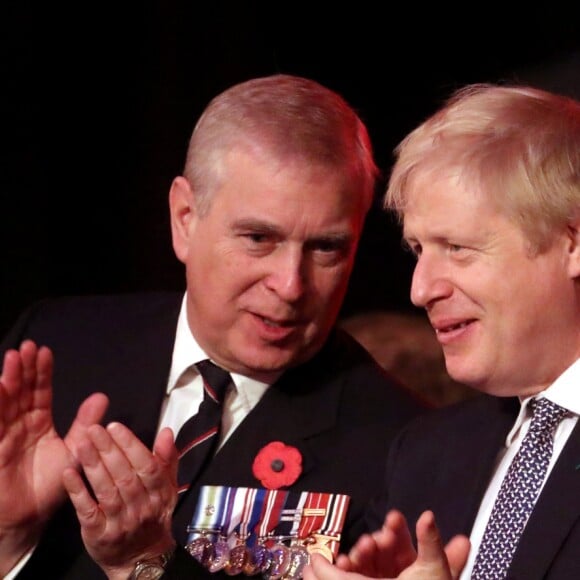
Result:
pixel 389 554
pixel 32 454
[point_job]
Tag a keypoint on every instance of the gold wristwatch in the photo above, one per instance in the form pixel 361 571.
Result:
pixel 151 569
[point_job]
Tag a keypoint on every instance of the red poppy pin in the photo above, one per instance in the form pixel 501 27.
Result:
pixel 277 465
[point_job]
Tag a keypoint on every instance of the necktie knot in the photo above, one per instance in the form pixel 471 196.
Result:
pixel 215 380
pixel 545 416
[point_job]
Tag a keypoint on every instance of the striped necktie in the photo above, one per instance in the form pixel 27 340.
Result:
pixel 518 493
pixel 198 437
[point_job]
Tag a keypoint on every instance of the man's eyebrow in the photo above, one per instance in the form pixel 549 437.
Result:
pixel 255 224
pixel 335 237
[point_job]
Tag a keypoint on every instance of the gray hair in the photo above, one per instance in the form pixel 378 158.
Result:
pixel 288 117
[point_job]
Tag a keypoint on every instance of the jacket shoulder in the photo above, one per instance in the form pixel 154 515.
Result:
pixel 66 317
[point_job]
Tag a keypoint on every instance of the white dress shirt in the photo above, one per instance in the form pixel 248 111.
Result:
pixel 185 386
pixel 563 391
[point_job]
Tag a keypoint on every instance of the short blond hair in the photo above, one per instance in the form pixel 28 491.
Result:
pixel 520 145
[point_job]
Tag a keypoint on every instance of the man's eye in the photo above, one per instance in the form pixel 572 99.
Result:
pixel 329 247
pixel 257 238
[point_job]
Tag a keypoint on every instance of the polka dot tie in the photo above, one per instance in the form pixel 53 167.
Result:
pixel 518 493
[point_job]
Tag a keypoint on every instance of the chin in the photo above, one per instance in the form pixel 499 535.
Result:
pixel 465 375
pixel 273 360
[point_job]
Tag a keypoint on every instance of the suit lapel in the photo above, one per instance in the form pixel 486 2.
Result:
pixel 143 367
pixel 557 510
pixel 470 453
pixel 298 406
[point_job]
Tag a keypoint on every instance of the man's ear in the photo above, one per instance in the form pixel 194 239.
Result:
pixel 182 213
pixel 574 247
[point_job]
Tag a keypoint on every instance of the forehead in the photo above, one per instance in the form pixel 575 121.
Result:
pixel 446 201
pixel 269 181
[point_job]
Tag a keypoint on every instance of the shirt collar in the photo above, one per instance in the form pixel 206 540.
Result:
pixel 187 352
pixel 564 391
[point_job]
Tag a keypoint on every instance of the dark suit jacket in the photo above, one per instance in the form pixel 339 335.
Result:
pixel 443 462
pixel 340 410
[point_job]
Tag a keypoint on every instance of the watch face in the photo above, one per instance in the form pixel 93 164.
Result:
pixel 149 572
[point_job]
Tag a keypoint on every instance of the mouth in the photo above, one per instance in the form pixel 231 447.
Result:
pixel 275 329
pixel 275 323
pixel 445 329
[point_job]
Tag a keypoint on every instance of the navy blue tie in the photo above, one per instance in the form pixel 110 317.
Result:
pixel 518 493
pixel 198 437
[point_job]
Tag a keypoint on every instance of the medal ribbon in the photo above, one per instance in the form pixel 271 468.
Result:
pixel 270 516
pixel 208 512
pixel 334 521
pixel 314 513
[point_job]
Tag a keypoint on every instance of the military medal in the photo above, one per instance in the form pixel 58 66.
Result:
pixel 320 544
pixel 200 549
pixel 299 557
pixel 251 500
pixel 280 561
pixel 256 560
pixel 286 531
pixel 239 556
pixel 220 555
pixel 326 539
pixel 203 525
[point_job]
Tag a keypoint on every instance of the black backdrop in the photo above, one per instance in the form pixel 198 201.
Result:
pixel 98 102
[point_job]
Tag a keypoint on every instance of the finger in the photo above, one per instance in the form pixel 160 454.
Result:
pixel 88 512
pixel 136 455
pixel 397 522
pixel 91 412
pixel 360 552
pixel 96 469
pixel 18 379
pixel 429 545
pixel 457 551
pixel 12 372
pixel 394 544
pixel 42 389
pixel 164 448
pixel 28 354
pixel 322 569
pixel 158 479
pixel 10 385
pixel 343 562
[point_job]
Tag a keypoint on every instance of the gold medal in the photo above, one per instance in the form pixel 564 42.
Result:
pixel 319 544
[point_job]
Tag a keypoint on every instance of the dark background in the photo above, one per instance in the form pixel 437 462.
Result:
pixel 98 102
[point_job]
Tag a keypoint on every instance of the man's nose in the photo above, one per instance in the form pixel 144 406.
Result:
pixel 429 282
pixel 288 275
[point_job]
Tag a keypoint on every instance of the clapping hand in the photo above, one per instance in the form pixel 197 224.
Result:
pixel 32 454
pixel 127 517
pixel 389 553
